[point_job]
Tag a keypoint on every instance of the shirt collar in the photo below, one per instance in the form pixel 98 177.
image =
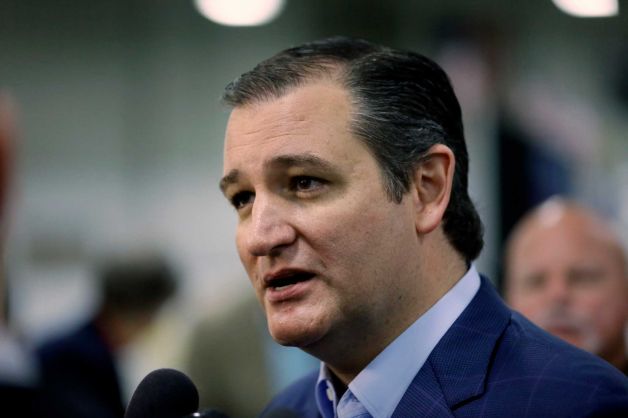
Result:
pixel 372 385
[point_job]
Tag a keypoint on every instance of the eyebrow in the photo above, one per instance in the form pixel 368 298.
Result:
pixel 285 160
pixel 300 160
pixel 231 178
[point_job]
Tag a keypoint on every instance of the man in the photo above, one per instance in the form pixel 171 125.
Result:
pixel 79 372
pixel 346 164
pixel 566 271
pixel 18 372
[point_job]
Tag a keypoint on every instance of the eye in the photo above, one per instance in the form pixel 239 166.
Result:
pixel 241 199
pixel 585 277
pixel 534 282
pixel 306 183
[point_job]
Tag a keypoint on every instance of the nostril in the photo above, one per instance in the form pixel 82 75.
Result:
pixel 276 251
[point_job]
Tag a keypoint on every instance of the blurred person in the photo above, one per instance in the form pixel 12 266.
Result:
pixel 346 164
pixel 7 137
pixel 79 373
pixel 18 372
pixel 236 365
pixel 566 271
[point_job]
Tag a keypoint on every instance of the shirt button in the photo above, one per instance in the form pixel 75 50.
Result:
pixel 330 392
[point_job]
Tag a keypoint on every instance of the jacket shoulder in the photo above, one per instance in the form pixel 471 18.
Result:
pixel 543 373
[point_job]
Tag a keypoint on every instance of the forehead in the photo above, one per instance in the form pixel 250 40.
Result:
pixel 313 119
pixel 573 240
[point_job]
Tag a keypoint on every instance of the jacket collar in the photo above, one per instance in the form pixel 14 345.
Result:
pixel 457 367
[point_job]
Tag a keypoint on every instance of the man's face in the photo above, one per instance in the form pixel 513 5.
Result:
pixel 568 278
pixel 324 247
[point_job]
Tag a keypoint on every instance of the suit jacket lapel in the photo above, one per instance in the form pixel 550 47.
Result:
pixel 424 397
pixel 456 369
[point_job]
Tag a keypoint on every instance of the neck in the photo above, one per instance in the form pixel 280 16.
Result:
pixel 437 272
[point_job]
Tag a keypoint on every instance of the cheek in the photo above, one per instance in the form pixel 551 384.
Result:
pixel 524 300
pixel 608 310
pixel 362 252
pixel 246 258
pixel 346 239
pixel 529 307
pixel 239 243
pixel 598 299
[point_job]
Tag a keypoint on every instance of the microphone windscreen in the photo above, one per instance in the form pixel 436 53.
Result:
pixel 163 393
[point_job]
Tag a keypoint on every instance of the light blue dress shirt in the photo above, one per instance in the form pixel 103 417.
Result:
pixel 377 390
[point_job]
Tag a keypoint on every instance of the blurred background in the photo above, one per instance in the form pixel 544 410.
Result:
pixel 120 133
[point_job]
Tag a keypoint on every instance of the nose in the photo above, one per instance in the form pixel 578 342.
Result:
pixel 268 230
pixel 558 289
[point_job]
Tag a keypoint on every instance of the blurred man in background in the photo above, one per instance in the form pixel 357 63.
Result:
pixel 245 366
pixel 79 373
pixel 566 271
pixel 18 374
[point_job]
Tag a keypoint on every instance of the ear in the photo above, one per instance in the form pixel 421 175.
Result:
pixel 432 182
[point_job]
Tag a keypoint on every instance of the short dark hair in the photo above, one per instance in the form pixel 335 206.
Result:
pixel 136 283
pixel 403 103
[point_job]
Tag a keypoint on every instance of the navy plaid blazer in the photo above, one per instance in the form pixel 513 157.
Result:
pixel 493 362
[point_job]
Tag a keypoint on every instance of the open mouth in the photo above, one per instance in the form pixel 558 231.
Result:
pixel 289 279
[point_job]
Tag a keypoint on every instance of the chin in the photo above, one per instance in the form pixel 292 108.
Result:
pixel 294 334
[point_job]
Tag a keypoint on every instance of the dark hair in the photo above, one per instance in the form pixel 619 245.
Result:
pixel 136 283
pixel 403 104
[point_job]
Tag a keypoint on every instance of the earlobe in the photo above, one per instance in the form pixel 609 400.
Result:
pixel 432 182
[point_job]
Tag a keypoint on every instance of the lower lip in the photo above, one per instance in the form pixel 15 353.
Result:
pixel 286 293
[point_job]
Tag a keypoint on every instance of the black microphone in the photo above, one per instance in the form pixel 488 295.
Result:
pixel 163 393
pixel 167 393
